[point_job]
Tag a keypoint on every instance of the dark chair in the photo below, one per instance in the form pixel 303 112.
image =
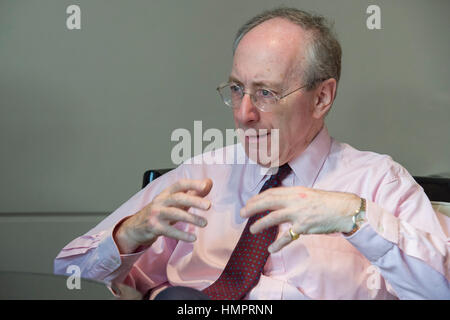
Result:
pixel 436 188
pixel 151 175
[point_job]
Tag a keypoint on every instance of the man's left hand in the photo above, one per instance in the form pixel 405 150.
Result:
pixel 310 211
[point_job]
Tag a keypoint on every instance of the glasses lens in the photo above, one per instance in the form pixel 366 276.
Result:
pixel 264 99
pixel 231 95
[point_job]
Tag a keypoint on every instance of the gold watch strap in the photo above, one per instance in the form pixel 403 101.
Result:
pixel 358 217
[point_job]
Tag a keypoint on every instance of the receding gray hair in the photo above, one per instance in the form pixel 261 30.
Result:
pixel 323 52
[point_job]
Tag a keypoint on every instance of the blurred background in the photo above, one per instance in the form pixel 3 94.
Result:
pixel 83 113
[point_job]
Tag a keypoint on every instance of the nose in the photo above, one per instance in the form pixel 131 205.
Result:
pixel 247 112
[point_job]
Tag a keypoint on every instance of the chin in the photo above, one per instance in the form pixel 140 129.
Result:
pixel 263 157
pixel 264 149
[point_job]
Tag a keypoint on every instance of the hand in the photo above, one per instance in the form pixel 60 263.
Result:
pixel 159 216
pixel 308 210
pixel 123 292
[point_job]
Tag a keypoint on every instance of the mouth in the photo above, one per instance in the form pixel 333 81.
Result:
pixel 257 138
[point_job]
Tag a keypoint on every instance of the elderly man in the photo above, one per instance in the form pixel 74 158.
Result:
pixel 331 222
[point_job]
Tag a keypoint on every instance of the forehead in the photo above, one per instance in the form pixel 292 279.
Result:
pixel 272 51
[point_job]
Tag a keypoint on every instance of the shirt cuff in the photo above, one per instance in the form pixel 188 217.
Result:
pixel 110 260
pixel 378 235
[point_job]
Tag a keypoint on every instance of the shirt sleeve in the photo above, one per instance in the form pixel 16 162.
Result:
pixel 404 239
pixel 97 255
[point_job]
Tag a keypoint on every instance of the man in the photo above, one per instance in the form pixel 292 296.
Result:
pixel 345 224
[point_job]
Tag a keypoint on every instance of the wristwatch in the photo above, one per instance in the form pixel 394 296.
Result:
pixel 358 218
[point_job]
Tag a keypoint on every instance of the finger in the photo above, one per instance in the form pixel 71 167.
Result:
pixel 125 292
pixel 281 191
pixel 207 188
pixel 184 200
pixel 272 219
pixel 174 233
pixel 173 215
pixel 201 186
pixel 280 243
pixel 270 191
pixel 270 203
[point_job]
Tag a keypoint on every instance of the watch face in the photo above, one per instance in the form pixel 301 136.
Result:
pixel 360 218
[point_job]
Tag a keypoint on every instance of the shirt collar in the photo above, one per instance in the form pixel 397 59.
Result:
pixel 306 166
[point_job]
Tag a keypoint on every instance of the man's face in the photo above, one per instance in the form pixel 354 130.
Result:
pixel 270 56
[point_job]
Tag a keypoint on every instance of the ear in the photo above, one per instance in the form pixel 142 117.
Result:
pixel 324 97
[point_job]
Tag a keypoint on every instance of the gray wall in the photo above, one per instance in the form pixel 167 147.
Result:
pixel 84 113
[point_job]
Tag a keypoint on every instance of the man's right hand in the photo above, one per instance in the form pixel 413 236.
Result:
pixel 157 218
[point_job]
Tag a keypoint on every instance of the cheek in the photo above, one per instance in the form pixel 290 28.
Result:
pixel 234 117
pixel 294 125
pixel 237 123
pixel 287 123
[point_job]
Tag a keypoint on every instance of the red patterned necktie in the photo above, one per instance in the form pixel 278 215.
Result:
pixel 246 264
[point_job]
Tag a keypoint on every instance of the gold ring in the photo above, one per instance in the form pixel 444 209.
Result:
pixel 294 236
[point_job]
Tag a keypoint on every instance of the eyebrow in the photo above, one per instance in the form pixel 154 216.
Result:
pixel 263 83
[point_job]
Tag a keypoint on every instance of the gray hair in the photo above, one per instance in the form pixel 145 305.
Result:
pixel 323 52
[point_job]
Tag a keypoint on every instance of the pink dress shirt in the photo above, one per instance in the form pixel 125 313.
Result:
pixel 400 252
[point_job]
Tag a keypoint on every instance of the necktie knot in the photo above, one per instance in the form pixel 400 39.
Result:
pixel 276 179
pixel 283 172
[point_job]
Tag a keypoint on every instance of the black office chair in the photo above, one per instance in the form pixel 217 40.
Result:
pixel 436 188
pixel 151 175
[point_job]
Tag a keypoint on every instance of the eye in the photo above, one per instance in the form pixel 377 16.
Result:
pixel 235 88
pixel 266 94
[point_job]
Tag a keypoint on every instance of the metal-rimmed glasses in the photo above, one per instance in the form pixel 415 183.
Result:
pixel 263 99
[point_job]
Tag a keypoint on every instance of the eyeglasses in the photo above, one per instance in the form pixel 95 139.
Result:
pixel 263 99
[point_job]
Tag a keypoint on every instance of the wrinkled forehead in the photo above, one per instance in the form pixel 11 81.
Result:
pixel 274 50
